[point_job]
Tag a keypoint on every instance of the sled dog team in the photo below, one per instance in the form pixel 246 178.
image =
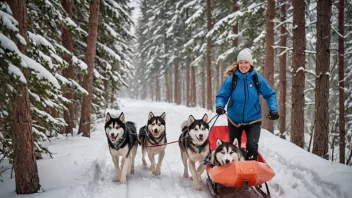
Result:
pixel 239 92
pixel 123 141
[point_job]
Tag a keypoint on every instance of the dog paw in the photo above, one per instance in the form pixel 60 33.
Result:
pixel 157 172
pixel 197 187
pixel 185 175
pixel 132 170
pixel 116 179
pixel 123 180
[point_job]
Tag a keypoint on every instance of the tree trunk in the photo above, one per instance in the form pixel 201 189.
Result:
pixel 193 86
pixel 157 87
pixel 209 80
pixel 282 102
pixel 25 165
pixel 203 88
pixel 167 87
pixel 321 121
pixel 112 95
pixel 106 90
pixel 188 84
pixel 222 73
pixel 269 59
pixel 177 83
pixel 170 80
pixel 235 27
pixel 217 76
pixel 298 78
pixel 341 53
pixel 84 125
pixel 68 72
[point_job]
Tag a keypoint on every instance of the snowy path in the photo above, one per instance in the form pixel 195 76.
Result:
pixel 143 184
pixel 290 180
pixel 82 167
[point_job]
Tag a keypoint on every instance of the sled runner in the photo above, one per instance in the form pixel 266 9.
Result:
pixel 238 175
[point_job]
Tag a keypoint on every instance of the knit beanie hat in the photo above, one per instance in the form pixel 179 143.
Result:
pixel 245 54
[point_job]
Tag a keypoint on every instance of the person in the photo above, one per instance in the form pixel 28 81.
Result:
pixel 243 103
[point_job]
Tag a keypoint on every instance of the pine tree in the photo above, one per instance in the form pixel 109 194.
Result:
pixel 67 42
pixel 282 100
pixel 321 122
pixel 269 59
pixel 25 166
pixel 84 125
pixel 297 111
pixel 341 59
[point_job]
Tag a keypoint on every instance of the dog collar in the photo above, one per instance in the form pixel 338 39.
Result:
pixel 200 148
pixel 119 143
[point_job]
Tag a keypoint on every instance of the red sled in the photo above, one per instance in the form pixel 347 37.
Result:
pixel 239 174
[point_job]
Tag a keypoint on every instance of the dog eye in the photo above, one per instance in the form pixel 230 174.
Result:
pixel 109 127
pixel 196 129
pixel 231 152
pixel 117 127
pixel 159 124
pixel 203 128
pixel 222 152
pixel 153 124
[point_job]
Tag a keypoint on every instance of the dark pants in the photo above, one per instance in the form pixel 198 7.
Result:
pixel 253 134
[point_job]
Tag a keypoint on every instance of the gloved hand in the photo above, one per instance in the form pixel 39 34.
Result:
pixel 273 115
pixel 220 110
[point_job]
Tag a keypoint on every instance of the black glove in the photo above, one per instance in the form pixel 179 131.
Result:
pixel 220 110
pixel 273 115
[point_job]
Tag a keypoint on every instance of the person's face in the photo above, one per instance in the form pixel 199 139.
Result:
pixel 244 66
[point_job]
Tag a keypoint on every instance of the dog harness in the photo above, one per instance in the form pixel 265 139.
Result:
pixel 150 138
pixel 188 139
pixel 121 143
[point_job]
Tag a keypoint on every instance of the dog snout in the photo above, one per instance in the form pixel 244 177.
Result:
pixel 112 134
pixel 155 130
pixel 200 135
pixel 227 161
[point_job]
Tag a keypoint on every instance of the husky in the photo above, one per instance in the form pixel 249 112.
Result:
pixel 152 138
pixel 122 140
pixel 226 152
pixel 194 146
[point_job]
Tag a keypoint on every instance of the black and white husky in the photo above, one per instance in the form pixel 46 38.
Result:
pixel 194 146
pixel 122 140
pixel 226 152
pixel 152 137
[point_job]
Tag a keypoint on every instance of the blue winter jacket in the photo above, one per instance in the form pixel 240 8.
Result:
pixel 244 103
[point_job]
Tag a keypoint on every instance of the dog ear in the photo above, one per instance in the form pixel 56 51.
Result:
pixel 107 118
pixel 122 117
pixel 150 115
pixel 205 118
pixel 218 142
pixel 163 116
pixel 235 143
pixel 190 120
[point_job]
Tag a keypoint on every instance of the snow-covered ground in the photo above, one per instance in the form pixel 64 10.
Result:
pixel 82 167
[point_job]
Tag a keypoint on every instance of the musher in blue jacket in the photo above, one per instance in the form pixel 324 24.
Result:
pixel 243 103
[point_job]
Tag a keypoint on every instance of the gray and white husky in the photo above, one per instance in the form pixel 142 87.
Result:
pixel 194 146
pixel 152 137
pixel 226 152
pixel 122 140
